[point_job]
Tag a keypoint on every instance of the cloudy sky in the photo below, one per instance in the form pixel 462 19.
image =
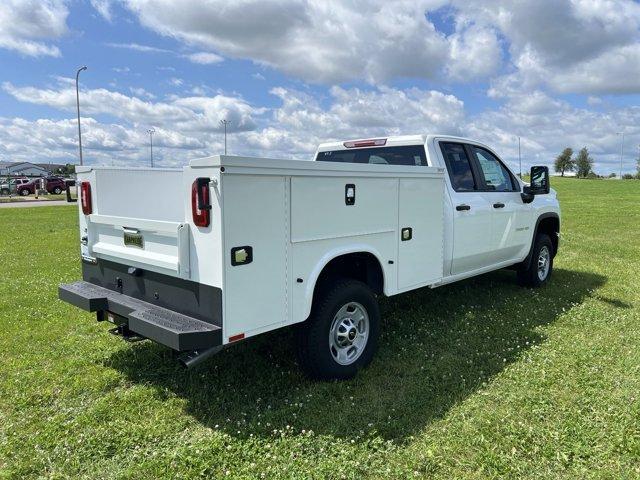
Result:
pixel 289 74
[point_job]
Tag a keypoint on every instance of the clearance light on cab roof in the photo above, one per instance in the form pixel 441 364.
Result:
pixel 374 142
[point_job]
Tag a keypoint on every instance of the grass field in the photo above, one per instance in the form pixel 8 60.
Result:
pixel 475 380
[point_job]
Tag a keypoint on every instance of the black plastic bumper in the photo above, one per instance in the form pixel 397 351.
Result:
pixel 167 327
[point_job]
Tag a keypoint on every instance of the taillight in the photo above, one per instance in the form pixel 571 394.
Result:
pixel 200 206
pixel 85 198
pixel 374 142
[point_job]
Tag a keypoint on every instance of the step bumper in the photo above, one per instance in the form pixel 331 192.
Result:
pixel 167 327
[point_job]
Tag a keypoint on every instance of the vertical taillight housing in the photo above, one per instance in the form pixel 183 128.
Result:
pixel 85 198
pixel 200 205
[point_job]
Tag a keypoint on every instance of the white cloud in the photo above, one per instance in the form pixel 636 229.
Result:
pixel 573 46
pixel 204 58
pixel 301 123
pixel 547 125
pixel 103 7
pixel 187 127
pixel 138 47
pixel 25 25
pixel 141 92
pixel 181 114
pixel 324 41
pixel 582 46
pixel 475 52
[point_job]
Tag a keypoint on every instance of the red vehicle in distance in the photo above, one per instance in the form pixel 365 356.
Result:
pixel 53 185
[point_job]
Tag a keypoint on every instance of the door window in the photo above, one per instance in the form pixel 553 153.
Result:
pixel 459 167
pixel 496 176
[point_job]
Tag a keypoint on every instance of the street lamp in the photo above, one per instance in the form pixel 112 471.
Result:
pixel 621 152
pixel 78 105
pixel 224 123
pixel 519 157
pixel 151 131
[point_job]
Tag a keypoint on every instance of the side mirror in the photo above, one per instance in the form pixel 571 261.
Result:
pixel 68 187
pixel 539 184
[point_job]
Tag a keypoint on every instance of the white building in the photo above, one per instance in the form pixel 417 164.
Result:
pixel 26 169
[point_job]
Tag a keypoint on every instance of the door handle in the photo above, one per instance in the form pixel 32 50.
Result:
pixel 463 207
pixel 498 205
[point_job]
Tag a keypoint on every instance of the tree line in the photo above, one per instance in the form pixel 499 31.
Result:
pixel 582 164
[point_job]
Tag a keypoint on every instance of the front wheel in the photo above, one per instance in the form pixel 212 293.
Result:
pixel 541 265
pixel 24 192
pixel 57 190
pixel 341 334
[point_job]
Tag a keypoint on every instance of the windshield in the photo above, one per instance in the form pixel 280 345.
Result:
pixel 404 155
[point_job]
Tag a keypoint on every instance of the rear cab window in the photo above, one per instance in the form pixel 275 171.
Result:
pixel 413 155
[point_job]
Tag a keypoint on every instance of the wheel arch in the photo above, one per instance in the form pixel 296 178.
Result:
pixel 360 262
pixel 548 223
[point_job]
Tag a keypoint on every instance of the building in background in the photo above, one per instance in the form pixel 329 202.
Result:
pixel 27 169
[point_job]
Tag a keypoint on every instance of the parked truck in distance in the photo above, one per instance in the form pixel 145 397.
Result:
pixel 230 247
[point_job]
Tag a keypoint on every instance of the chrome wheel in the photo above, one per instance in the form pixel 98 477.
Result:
pixel 544 261
pixel 349 333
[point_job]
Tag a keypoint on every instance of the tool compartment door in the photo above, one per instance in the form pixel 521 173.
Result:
pixel 420 208
pixel 255 214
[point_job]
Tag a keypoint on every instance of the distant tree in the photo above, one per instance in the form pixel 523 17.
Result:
pixel 584 163
pixel 68 169
pixel 612 175
pixel 564 162
pixel 638 167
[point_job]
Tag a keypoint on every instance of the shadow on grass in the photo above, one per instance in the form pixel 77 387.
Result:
pixel 437 348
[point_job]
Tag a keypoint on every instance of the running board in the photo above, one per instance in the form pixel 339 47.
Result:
pixel 167 327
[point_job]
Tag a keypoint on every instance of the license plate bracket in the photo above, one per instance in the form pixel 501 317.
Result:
pixel 133 239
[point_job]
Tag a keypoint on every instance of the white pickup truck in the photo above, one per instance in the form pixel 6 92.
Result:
pixel 230 247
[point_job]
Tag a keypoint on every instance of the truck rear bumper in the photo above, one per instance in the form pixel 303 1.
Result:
pixel 175 330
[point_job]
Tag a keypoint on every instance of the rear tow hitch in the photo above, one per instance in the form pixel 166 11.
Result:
pixel 126 334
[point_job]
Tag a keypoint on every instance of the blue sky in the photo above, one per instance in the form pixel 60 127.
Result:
pixel 292 73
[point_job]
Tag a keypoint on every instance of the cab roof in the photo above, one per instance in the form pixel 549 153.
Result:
pixel 389 141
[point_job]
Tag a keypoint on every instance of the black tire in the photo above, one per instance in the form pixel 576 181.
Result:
pixel 57 190
pixel 314 349
pixel 5 192
pixel 24 192
pixel 532 276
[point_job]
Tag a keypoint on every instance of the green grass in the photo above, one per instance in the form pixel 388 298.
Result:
pixel 480 379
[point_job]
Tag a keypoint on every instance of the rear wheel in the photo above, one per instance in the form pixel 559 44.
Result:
pixel 341 335
pixel 24 192
pixel 541 265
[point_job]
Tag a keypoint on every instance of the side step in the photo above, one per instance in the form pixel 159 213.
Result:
pixel 167 327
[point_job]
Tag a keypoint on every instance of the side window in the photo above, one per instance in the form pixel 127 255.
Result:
pixel 496 176
pixel 459 167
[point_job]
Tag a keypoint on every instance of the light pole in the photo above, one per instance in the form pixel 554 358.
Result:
pixel 78 105
pixel 151 131
pixel 621 152
pixel 519 157
pixel 224 123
